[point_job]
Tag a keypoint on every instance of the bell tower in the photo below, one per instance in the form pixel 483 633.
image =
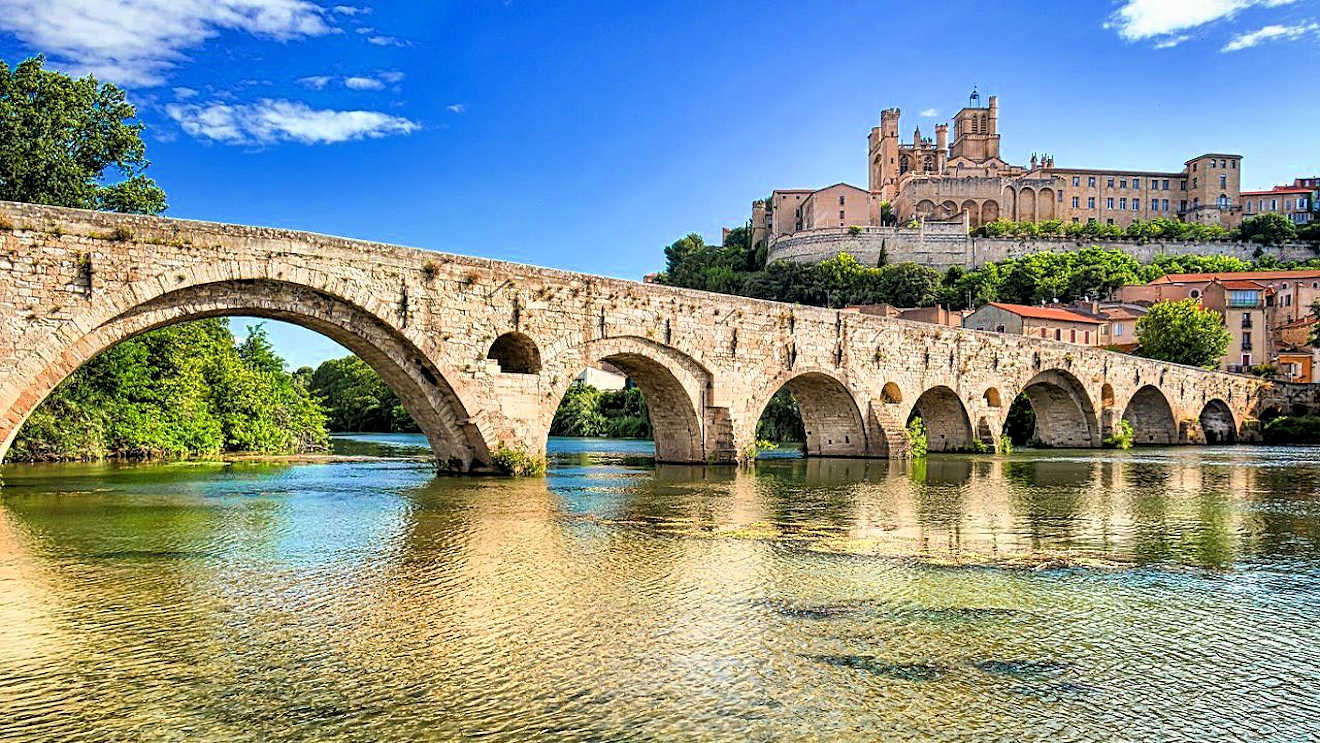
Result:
pixel 976 130
pixel 882 154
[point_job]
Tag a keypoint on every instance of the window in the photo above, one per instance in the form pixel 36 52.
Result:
pixel 1122 203
pixel 1042 333
pixel 840 214
pixel 1072 335
pixel 1090 202
pixel 1182 185
pixel 1246 341
pixel 840 201
pixel 1274 205
pixel 1110 183
pixel 1090 181
pixel 1164 205
pixel 1118 328
pixel 1136 183
pixel 1122 183
pixel 1077 180
pixel 1075 200
pixel 1136 204
pixel 1087 339
pixel 1194 294
pixel 1111 219
pixel 1223 181
pixel 1154 205
pixel 1000 328
pixel 1233 164
pixel 1246 319
pixel 1193 183
pixel 1109 203
pixel 1223 201
pixel 1243 298
pixel 1060 196
pixel 1166 184
pixel 1058 334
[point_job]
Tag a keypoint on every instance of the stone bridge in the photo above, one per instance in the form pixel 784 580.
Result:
pixel 481 351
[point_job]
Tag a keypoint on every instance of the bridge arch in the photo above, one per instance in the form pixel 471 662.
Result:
pixel 1217 423
pixel 948 427
pixel 1151 417
pixel 515 353
pixel 834 423
pixel 1065 416
pixel 456 440
pixel 674 385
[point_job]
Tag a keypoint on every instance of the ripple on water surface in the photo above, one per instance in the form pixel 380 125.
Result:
pixel 1155 595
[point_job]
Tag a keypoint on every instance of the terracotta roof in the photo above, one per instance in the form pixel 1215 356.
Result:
pixel 1300 322
pixel 1239 284
pixel 1279 189
pixel 1191 278
pixel 1046 313
pixel 1121 313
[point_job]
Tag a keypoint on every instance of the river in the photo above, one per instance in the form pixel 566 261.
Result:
pixel 1157 594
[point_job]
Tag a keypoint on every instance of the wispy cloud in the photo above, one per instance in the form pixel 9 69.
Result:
pixel 273 121
pixel 137 42
pixel 184 94
pixel 1273 32
pixel 1138 20
pixel 385 41
pixel 456 108
pixel 1172 41
pixel 930 113
pixel 363 83
pixel 315 82
pixel 351 10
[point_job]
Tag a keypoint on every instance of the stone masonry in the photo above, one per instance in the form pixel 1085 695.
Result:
pixel 481 351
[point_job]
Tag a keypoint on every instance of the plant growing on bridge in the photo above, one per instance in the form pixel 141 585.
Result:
pixel 1183 332
pixel 517 462
pixel 1005 444
pixel 1121 438
pixel 918 443
pixel 63 138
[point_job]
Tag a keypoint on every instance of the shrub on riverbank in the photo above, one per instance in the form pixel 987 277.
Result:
pixel 1294 429
pixel 180 391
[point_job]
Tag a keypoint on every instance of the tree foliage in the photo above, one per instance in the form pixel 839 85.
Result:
pixel 183 390
pixel 68 142
pixel 588 411
pixel 1183 332
pixel 356 399
pixel 1268 228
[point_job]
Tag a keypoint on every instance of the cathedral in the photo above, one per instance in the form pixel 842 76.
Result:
pixel 966 178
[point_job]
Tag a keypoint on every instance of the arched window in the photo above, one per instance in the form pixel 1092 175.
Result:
pixel 904 164
pixel 516 354
pixel 928 164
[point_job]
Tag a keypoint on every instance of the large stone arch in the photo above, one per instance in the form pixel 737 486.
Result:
pixel 1011 202
pixel 925 208
pixel 948 208
pixel 456 437
pixel 1027 204
pixel 989 211
pixel 835 424
pixel 973 212
pixel 1065 415
pixel 1045 207
pixel 948 427
pixel 675 387
pixel 1217 423
pixel 1151 416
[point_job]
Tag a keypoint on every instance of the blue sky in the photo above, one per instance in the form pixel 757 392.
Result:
pixel 587 136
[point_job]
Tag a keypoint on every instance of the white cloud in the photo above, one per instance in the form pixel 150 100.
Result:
pixel 365 30
pixel 1137 20
pixel 390 76
pixel 184 94
pixel 272 121
pixel 456 108
pixel 385 41
pixel 930 113
pixel 137 42
pixel 316 82
pixel 1172 41
pixel 363 83
pixel 350 10
pixel 1273 32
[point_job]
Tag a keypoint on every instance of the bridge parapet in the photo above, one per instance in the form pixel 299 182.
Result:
pixel 481 351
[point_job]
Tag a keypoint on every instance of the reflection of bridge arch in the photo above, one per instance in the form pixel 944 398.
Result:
pixel 422 389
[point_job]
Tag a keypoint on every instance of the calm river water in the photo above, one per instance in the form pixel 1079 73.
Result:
pixel 1163 594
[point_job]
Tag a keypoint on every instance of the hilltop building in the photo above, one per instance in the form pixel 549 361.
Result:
pixel 966 178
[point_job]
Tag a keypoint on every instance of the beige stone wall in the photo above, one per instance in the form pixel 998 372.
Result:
pixel 838 206
pixel 73 283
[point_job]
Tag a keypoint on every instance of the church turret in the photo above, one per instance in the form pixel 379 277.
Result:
pixel 883 153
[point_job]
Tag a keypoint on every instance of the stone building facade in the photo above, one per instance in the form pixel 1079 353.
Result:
pixel 943 179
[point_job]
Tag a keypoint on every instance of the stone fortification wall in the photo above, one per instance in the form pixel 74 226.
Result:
pixel 941 246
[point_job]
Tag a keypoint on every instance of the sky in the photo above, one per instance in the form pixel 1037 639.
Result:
pixel 587 136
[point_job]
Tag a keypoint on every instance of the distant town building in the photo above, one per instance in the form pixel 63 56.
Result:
pixel 604 377
pixel 936 315
pixel 1294 202
pixel 1051 323
pixel 967 178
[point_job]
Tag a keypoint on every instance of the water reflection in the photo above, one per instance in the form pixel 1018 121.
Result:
pixel 616 600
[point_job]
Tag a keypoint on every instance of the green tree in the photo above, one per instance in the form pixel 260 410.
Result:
pixel 356 399
pixel 64 141
pixel 1268 228
pixel 1183 332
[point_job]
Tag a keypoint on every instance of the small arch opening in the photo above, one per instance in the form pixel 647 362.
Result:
pixel 891 395
pixel 992 397
pixel 1107 395
pixel 516 354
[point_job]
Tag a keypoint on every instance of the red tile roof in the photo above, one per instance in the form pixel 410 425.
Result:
pixel 1046 313
pixel 1240 284
pixel 1279 189
pixel 1192 278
